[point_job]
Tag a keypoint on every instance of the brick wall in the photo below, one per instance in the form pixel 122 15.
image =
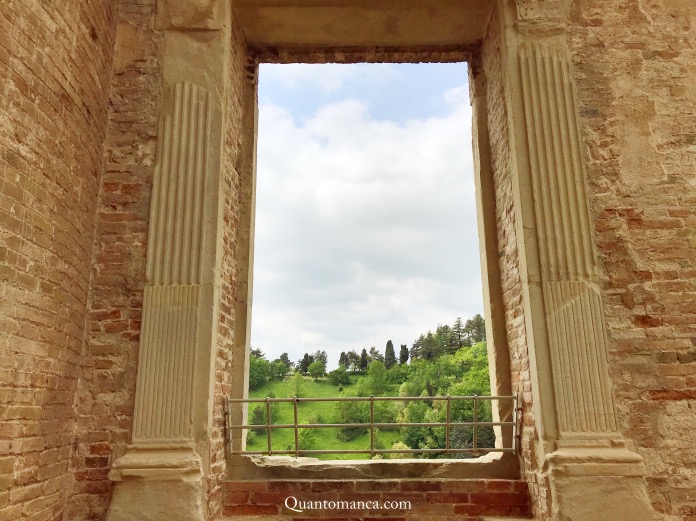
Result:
pixel 232 201
pixel 109 366
pixel 634 65
pixel 431 499
pixel 55 63
pixel 511 284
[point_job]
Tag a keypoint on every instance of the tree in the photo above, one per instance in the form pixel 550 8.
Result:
pixel 389 356
pixel 375 355
pixel 426 347
pixel 403 354
pixel 304 363
pixel 278 369
pixel 339 376
pixel 376 378
pixel 286 360
pixel 259 370
pixel 316 369
pixel 475 329
pixel 258 417
pixel 297 385
pixel 320 356
pixel 415 351
pixel 306 438
pixel 258 353
pixel 343 360
pixel 458 333
pixel 362 365
pixel 353 360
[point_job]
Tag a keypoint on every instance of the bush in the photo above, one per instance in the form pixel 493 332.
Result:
pixel 339 377
pixel 307 438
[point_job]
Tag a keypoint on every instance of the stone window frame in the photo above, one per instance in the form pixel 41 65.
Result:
pixel 492 465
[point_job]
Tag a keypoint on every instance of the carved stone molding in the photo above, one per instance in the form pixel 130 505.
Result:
pixel 164 407
pixel 177 211
pixel 171 399
pixel 574 317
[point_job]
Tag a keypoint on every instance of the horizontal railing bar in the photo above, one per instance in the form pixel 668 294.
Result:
pixel 367 451
pixel 366 425
pixel 448 425
pixel 367 399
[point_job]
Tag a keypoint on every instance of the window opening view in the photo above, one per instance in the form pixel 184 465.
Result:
pixel 367 283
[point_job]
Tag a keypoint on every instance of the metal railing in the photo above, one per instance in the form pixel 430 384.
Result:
pixel 448 424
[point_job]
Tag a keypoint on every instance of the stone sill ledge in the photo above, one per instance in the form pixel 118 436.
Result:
pixel 491 466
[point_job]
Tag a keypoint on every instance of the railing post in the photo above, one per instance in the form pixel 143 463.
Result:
pixel 515 412
pixel 447 422
pixel 475 423
pixel 372 425
pixel 268 424
pixel 297 434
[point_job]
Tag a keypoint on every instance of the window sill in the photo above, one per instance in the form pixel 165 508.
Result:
pixel 489 466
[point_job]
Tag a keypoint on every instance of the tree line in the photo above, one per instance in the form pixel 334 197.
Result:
pixel 429 346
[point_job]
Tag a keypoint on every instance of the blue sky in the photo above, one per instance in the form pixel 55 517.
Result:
pixel 365 219
pixel 394 92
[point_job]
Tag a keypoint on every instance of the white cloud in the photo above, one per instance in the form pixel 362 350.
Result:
pixel 365 229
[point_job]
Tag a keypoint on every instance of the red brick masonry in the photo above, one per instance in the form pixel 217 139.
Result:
pixel 434 500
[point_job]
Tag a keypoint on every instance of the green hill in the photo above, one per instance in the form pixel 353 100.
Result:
pixel 463 372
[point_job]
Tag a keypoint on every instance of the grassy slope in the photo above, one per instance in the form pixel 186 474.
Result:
pixel 312 412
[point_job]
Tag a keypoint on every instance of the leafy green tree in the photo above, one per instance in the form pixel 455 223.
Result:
pixel 377 383
pixel 258 353
pixel 258 417
pixel 389 355
pixel 363 360
pixel 343 360
pixel 259 371
pixel 305 362
pixel 316 369
pixel 297 385
pixel 459 338
pixel 320 356
pixel 375 355
pixel 286 360
pixel 398 374
pixel 351 412
pixel 430 348
pixel 475 329
pixel 353 360
pixel 277 369
pixel 403 354
pixel 339 376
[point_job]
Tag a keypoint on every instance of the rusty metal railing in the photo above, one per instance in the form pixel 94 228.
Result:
pixel 448 424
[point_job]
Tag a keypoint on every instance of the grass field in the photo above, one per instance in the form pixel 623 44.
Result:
pixel 313 412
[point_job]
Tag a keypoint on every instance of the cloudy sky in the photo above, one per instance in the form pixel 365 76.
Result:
pixel 365 216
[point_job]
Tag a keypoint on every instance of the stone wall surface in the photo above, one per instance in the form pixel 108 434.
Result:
pixel 55 68
pixel 104 407
pixel 634 67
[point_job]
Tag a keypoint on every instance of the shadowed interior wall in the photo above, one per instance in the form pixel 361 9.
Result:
pixel 237 179
pixel 493 73
pixel 55 67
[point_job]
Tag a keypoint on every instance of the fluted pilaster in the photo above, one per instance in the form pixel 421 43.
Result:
pixel 567 267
